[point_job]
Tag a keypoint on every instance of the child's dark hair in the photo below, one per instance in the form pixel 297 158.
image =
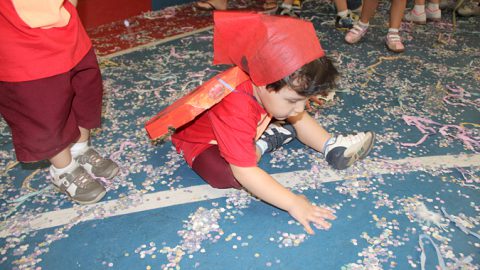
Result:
pixel 316 77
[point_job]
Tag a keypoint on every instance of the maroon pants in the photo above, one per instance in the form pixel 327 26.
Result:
pixel 44 114
pixel 214 169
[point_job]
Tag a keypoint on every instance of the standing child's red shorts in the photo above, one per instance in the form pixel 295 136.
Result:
pixel 44 115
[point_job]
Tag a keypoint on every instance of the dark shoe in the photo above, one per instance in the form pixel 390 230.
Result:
pixel 342 151
pixel 285 11
pixel 277 135
pixel 97 165
pixel 346 22
pixel 80 186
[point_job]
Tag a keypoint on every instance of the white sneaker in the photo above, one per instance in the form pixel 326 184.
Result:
pixel 469 8
pixel 413 16
pixel 342 151
pixel 433 14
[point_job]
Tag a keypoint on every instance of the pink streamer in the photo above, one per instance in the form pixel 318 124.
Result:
pixel 116 155
pixel 461 133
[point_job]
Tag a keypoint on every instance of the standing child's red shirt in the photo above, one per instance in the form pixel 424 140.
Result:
pixel 233 124
pixel 39 41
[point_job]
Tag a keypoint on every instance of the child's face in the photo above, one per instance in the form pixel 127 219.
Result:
pixel 282 104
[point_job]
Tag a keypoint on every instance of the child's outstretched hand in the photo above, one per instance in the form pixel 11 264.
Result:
pixel 305 212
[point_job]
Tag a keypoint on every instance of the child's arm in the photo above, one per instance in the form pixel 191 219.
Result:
pixel 269 190
pixel 309 131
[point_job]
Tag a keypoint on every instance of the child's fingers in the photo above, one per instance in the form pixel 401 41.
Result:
pixel 324 213
pixel 321 224
pixel 306 226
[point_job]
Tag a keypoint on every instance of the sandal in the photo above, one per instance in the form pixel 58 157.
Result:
pixel 270 6
pixel 209 6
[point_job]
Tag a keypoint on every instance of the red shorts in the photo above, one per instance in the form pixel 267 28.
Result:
pixel 44 114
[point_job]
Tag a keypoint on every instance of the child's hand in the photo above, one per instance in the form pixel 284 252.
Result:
pixel 305 212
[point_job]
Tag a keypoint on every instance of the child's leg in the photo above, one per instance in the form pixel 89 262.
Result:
pixel 396 13
pixel 360 29
pixel 309 131
pixel 393 39
pixel 369 9
pixel 341 5
pixel 62 159
pixel 340 151
pixel 417 14
pixel 345 19
pixel 87 107
pixel 214 169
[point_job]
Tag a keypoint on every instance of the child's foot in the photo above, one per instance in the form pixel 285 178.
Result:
pixel 97 165
pixel 275 136
pixel 342 151
pixel 413 16
pixel 433 14
pixel 80 186
pixel 356 33
pixel 346 22
pixel 394 42
pixel 286 10
pixel 297 7
pixel 469 8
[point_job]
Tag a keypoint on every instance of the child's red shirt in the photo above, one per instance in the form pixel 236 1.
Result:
pixel 28 53
pixel 234 124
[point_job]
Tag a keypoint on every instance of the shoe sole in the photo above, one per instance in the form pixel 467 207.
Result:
pixel 417 22
pixel 95 200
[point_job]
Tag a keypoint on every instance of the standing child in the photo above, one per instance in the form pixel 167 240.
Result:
pixel 419 14
pixel 393 40
pixel 347 13
pixel 286 65
pixel 51 93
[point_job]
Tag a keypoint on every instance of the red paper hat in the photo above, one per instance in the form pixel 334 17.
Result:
pixel 266 47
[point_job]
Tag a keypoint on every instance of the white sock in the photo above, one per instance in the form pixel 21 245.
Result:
pixel 363 25
pixel 78 148
pixel 433 6
pixel 419 9
pixel 287 6
pixel 393 31
pixel 342 14
pixel 262 145
pixel 58 171
pixel 326 145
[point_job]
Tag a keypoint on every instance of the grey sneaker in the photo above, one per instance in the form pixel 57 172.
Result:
pixel 80 186
pixel 97 165
pixel 277 135
pixel 342 151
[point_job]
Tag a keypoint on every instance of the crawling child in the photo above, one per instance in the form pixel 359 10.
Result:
pixel 286 66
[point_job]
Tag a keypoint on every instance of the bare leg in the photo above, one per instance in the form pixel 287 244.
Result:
pixel 368 10
pixel 341 5
pixel 84 134
pixel 396 13
pixel 62 159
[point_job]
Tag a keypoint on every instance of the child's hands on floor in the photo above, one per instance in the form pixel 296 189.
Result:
pixel 305 212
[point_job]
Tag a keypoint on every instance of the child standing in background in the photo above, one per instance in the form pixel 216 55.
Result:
pixel 419 14
pixel 51 93
pixel 393 40
pixel 286 65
